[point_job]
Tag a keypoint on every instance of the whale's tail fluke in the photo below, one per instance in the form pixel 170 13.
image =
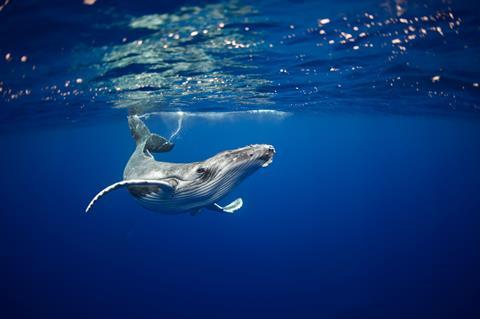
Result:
pixel 144 138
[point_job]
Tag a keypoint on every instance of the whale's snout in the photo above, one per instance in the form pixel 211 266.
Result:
pixel 267 156
pixel 266 151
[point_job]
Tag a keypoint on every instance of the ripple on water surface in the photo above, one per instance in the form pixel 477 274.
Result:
pixel 394 56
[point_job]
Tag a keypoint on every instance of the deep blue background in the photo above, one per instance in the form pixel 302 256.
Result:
pixel 359 216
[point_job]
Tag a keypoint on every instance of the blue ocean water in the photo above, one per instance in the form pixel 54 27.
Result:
pixel 370 208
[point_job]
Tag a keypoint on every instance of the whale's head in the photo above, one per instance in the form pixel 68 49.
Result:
pixel 216 176
pixel 237 164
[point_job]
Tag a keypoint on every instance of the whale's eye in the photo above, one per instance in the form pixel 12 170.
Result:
pixel 201 170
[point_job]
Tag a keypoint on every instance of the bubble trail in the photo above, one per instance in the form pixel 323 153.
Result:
pixel 179 125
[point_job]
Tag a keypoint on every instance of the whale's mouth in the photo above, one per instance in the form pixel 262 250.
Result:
pixel 268 156
pixel 268 162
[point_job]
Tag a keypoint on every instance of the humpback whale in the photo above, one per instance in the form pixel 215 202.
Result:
pixel 175 188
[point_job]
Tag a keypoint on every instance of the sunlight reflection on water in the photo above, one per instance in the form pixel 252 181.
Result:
pixel 397 56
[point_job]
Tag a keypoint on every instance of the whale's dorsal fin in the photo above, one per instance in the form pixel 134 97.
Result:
pixel 165 186
pixel 143 137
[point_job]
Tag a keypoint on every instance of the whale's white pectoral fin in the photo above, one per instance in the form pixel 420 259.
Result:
pixel 233 206
pixel 165 186
pixel 230 208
